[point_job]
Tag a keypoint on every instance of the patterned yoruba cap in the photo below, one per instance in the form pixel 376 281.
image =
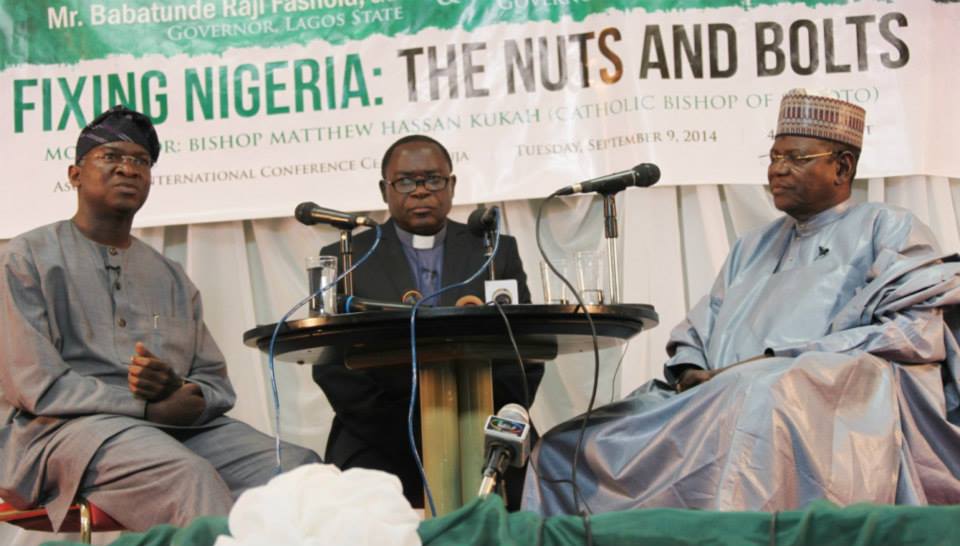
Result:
pixel 119 124
pixel 817 116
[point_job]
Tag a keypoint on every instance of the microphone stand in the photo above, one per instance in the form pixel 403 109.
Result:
pixel 496 466
pixel 611 233
pixel 488 251
pixel 346 261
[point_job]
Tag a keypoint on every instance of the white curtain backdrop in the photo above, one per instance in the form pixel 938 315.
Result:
pixel 673 241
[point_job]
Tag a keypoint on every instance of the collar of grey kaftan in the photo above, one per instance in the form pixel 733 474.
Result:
pixel 821 219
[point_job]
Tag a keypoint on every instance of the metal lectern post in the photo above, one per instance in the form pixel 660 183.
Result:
pixel 611 233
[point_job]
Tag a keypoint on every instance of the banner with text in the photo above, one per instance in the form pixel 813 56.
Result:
pixel 261 104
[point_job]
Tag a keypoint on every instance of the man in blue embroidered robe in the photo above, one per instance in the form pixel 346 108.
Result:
pixel 819 366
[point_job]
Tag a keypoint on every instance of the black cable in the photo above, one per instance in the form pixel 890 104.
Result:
pixel 516 350
pixel 577 495
pixel 587 529
pixel 773 529
pixel 613 382
pixel 523 378
pixel 526 392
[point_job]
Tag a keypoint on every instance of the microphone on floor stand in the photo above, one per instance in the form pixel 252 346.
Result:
pixel 506 441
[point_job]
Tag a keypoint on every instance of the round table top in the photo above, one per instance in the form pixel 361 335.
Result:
pixel 374 338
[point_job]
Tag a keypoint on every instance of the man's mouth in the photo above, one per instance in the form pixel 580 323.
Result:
pixel 127 187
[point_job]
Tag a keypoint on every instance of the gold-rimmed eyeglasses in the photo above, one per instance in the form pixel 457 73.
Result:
pixel 408 184
pixel 793 159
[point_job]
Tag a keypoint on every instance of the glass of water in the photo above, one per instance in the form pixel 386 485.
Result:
pixel 590 276
pixel 321 270
pixel 555 291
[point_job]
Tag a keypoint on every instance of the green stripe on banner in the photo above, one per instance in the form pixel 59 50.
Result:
pixel 70 31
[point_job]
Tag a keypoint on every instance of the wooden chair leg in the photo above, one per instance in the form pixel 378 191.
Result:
pixel 86 522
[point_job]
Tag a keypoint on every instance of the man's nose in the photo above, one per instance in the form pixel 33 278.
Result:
pixel 127 169
pixel 421 190
pixel 778 168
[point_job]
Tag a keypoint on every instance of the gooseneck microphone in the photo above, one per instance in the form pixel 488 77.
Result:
pixel 310 213
pixel 643 175
pixel 353 304
pixel 483 220
pixel 483 223
pixel 506 441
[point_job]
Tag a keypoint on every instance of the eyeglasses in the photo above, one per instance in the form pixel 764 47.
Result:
pixel 114 158
pixel 408 184
pixel 793 159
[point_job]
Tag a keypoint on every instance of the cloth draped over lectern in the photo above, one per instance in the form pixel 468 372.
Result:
pixel 853 405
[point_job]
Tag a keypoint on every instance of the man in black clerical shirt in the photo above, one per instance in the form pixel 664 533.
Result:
pixel 420 249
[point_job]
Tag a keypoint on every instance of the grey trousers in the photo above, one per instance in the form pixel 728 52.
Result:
pixel 146 476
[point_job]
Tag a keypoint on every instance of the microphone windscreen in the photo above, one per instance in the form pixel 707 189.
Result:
pixel 302 212
pixel 475 221
pixel 647 174
pixel 515 412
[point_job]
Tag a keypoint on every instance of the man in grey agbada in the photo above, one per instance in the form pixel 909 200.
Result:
pixel 112 387
pixel 821 365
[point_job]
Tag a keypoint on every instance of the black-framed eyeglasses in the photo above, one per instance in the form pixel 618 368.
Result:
pixel 793 159
pixel 115 158
pixel 408 184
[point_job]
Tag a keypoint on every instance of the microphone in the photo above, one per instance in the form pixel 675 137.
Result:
pixel 506 441
pixel 411 297
pixel 503 296
pixel 353 304
pixel 483 223
pixel 643 175
pixel 468 301
pixel 310 213
pixel 483 219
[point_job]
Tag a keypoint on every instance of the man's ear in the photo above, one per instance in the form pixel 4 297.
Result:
pixel 846 163
pixel 73 174
pixel 383 191
pixel 452 184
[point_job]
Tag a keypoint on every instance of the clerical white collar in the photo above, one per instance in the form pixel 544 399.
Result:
pixel 822 218
pixel 421 242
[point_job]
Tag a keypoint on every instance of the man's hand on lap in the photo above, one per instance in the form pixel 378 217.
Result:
pixel 181 408
pixel 694 376
pixel 149 377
